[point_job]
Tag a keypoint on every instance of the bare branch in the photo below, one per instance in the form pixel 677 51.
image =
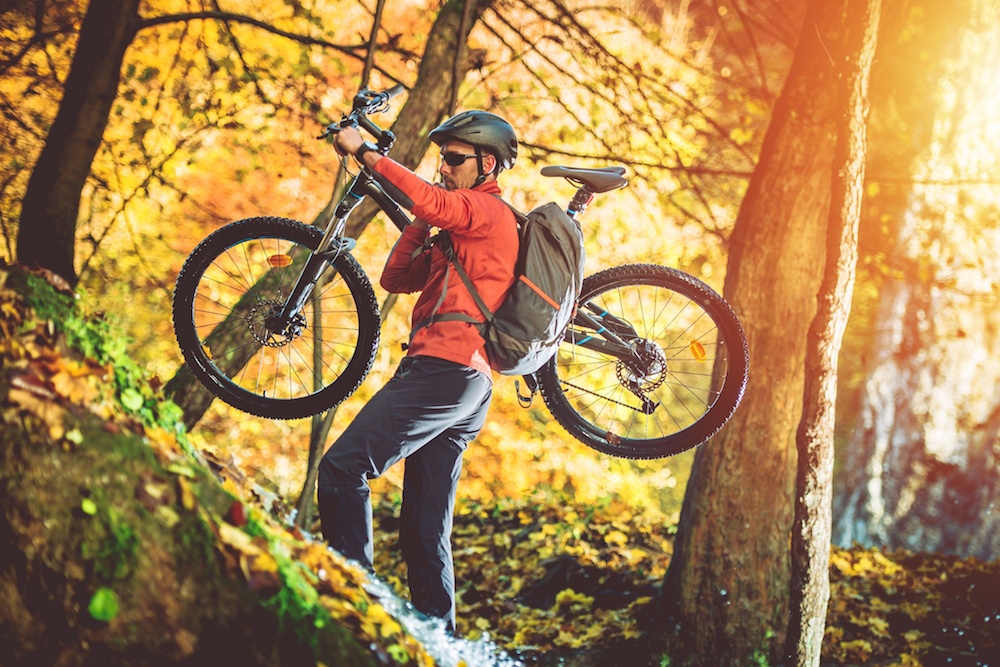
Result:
pixel 239 53
pixel 356 51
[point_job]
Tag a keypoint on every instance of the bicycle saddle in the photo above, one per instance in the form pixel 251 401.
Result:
pixel 596 180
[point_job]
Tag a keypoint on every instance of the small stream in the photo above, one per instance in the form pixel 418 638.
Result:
pixel 446 650
pixel 449 651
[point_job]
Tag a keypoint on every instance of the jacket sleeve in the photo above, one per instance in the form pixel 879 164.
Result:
pixel 434 205
pixel 406 270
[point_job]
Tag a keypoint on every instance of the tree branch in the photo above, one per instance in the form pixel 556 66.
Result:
pixel 348 50
pixel 239 54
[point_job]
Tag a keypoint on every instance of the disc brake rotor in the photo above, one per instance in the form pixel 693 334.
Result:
pixel 267 328
pixel 645 371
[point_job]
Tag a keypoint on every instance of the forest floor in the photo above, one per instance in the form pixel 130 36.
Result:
pixel 542 579
pixel 560 578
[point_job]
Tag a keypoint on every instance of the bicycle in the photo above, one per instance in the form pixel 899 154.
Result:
pixel 278 319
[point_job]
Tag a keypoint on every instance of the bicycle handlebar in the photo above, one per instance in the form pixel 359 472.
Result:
pixel 368 102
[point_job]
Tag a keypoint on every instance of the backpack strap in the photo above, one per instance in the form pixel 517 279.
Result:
pixel 519 217
pixel 443 240
pixel 422 248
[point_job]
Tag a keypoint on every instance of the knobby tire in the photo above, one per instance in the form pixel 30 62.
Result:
pixel 695 373
pixel 232 282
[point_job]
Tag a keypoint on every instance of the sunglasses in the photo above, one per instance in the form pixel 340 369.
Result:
pixel 455 159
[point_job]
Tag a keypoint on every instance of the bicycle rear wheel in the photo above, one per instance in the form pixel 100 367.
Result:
pixel 685 376
pixel 228 293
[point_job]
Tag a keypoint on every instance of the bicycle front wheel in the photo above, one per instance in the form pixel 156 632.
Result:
pixel 682 377
pixel 226 301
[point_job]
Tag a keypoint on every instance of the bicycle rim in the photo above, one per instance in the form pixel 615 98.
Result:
pixel 227 296
pixel 683 382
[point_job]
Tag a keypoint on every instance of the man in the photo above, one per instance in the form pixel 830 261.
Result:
pixel 438 399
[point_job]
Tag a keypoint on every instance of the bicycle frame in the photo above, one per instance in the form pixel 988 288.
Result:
pixel 613 330
pixel 597 331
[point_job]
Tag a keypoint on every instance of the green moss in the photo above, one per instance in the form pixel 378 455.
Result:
pixel 141 554
pixel 100 338
pixel 296 604
pixel 111 547
pixel 41 297
pixel 196 542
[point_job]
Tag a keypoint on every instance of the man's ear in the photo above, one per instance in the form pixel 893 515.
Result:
pixel 490 164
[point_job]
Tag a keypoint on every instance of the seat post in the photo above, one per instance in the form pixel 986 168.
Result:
pixel 580 201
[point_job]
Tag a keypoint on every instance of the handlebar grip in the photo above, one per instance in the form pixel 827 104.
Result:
pixel 395 91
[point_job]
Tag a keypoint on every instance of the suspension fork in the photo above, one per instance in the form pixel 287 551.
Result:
pixel 317 260
pixel 333 244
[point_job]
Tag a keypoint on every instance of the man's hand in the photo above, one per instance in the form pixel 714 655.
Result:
pixel 348 140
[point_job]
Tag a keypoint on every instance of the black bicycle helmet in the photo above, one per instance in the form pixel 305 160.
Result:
pixel 483 130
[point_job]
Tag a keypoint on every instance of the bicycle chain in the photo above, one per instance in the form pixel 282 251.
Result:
pixel 632 384
pixel 601 396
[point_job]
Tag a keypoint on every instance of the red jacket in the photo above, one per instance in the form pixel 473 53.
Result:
pixel 484 233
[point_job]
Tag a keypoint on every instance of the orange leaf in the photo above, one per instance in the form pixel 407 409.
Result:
pixel 237 514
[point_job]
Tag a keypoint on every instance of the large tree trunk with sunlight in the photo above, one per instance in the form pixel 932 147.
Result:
pixel 920 468
pixel 726 594
pixel 810 582
pixel 47 233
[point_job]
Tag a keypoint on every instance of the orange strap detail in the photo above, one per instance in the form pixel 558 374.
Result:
pixel 539 292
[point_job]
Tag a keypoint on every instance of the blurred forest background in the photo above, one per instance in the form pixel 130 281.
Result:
pixel 216 116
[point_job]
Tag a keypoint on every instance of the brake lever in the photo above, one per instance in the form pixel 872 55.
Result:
pixel 334 128
pixel 367 102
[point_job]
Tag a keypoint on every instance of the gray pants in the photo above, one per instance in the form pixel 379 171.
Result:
pixel 427 414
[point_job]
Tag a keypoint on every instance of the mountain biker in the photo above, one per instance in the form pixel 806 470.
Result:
pixel 437 401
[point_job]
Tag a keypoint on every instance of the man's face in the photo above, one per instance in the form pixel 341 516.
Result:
pixel 463 175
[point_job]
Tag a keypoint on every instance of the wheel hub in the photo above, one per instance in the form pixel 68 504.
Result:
pixel 268 328
pixel 645 370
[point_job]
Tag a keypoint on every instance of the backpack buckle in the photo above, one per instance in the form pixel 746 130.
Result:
pixel 532 383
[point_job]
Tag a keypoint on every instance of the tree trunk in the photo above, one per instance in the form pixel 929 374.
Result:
pixel 426 106
pixel 47 233
pixel 810 580
pixel 428 102
pixel 727 590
